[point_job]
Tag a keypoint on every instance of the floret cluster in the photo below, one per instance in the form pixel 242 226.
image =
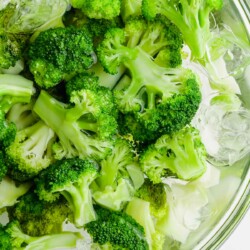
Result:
pixel 95 114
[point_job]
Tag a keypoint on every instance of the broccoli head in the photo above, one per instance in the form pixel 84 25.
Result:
pixel 191 17
pixel 180 154
pixel 17 239
pixel 60 53
pixel 70 178
pixel 85 126
pixel 119 177
pixel 118 229
pixel 105 9
pixel 38 217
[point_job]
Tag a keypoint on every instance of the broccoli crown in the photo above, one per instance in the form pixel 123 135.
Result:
pixel 14 89
pixel 85 127
pixel 60 53
pixel 7 131
pixel 30 152
pixel 105 9
pixel 10 50
pixel 191 17
pixel 18 239
pixel 70 178
pixel 38 217
pixel 119 176
pixel 118 229
pixel 181 154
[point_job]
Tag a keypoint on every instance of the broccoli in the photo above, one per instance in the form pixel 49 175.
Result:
pixel 3 166
pixel 105 9
pixel 70 178
pixel 191 17
pixel 119 177
pixel 14 237
pixel 159 100
pixel 5 243
pixel 118 229
pixel 58 54
pixel 85 127
pixel 38 217
pixel 180 154
pixel 14 89
pixel 31 150
pixel 130 8
pixel 11 191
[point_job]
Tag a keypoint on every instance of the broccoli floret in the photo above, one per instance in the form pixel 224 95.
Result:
pixel 140 210
pixel 10 50
pixel 84 129
pixel 14 89
pixel 3 166
pixel 118 229
pixel 5 243
pixel 191 17
pixel 11 191
pixel 130 8
pixel 181 154
pixel 7 131
pixel 58 54
pixel 105 9
pixel 38 217
pixel 14 236
pixel 70 178
pixel 119 177
pixel 31 150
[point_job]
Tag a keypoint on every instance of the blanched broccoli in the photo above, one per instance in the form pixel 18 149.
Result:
pixel 70 178
pixel 31 150
pixel 119 177
pixel 11 191
pixel 5 243
pixel 3 166
pixel 118 229
pixel 38 217
pixel 130 8
pixel 14 89
pixel 181 154
pixel 191 17
pixel 159 100
pixel 105 9
pixel 14 237
pixel 85 127
pixel 58 54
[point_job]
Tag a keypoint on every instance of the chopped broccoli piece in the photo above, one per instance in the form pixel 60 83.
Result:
pixel 38 217
pixel 70 178
pixel 118 229
pixel 31 150
pixel 84 129
pixel 119 177
pixel 11 191
pixel 14 235
pixel 105 9
pixel 58 54
pixel 181 154
pixel 130 8
pixel 3 166
pixel 191 17
pixel 5 243
pixel 14 89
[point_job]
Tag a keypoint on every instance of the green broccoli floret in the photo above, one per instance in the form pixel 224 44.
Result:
pixel 181 154
pixel 31 150
pixel 191 17
pixel 3 166
pixel 14 89
pixel 85 127
pixel 5 243
pixel 17 239
pixel 120 176
pixel 130 8
pixel 117 229
pixel 105 9
pixel 38 217
pixel 7 131
pixel 60 53
pixel 11 191
pixel 159 100
pixel 10 50
pixel 70 178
